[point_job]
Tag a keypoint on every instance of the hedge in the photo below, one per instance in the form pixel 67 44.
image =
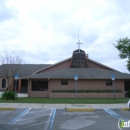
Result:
pixel 86 91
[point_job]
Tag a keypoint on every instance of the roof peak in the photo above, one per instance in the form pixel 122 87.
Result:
pixel 78 50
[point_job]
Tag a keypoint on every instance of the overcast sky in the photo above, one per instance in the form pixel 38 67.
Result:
pixel 47 30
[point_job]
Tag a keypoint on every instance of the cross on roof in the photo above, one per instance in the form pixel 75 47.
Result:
pixel 79 45
pixel 78 42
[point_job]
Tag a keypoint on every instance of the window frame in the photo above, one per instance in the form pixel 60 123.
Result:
pixel 39 85
pixel 4 83
pixel 64 82
pixel 109 83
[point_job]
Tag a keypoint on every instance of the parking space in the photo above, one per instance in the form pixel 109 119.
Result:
pixel 7 116
pixel 98 120
pixel 26 119
pixel 60 119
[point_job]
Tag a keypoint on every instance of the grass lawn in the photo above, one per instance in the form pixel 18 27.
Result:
pixel 66 100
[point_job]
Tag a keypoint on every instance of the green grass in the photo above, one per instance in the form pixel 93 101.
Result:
pixel 66 100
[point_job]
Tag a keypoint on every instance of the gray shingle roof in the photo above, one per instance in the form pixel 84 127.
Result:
pixel 26 69
pixel 83 73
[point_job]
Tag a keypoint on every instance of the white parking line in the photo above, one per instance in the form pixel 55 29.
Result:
pixel 33 117
pixel 36 124
pixel 52 120
pixel 29 115
pixel 22 115
pixel 39 111
pixel 47 124
pixel 14 120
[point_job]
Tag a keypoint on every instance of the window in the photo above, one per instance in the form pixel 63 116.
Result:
pixel 64 82
pixel 39 85
pixel 3 83
pixel 79 60
pixel 109 83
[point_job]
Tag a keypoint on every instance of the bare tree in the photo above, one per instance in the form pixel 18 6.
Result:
pixel 10 64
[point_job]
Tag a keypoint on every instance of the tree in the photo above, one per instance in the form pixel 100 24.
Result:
pixel 10 64
pixel 123 45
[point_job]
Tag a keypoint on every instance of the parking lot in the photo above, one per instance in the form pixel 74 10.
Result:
pixel 26 119
pixel 60 119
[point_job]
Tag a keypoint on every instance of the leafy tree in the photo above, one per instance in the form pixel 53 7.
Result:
pixel 123 45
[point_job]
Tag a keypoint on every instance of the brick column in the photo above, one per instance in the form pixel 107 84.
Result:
pixel 29 87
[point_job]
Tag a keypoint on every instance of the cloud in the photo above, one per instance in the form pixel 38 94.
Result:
pixel 5 12
pixel 47 30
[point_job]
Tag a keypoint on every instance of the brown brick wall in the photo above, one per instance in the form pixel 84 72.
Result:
pixel 85 84
pixel 82 84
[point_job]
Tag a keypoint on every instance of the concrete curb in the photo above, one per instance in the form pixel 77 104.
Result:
pixel 7 109
pixel 80 110
pixel 125 109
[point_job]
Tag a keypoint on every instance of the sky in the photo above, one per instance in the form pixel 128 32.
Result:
pixel 46 31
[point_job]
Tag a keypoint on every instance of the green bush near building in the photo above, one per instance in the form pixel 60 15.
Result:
pixel 9 95
pixel 86 91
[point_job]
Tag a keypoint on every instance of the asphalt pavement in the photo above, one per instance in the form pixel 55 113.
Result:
pixel 60 119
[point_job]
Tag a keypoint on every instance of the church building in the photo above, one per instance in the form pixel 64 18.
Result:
pixel 95 80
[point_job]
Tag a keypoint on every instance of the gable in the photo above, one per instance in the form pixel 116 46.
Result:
pixel 67 64
pixel 60 65
pixel 78 60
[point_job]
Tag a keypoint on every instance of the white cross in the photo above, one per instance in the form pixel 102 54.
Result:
pixel 79 45
pixel 78 42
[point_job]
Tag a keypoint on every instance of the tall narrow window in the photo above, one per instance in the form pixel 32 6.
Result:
pixel 3 83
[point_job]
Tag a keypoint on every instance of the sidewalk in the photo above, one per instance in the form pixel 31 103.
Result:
pixel 62 106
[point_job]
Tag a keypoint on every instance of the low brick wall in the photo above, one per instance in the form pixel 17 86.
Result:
pixel 38 94
pixel 86 95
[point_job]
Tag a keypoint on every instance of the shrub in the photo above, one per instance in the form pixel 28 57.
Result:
pixel 9 95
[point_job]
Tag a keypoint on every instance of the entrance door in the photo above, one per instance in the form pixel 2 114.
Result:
pixel 126 87
pixel 24 86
